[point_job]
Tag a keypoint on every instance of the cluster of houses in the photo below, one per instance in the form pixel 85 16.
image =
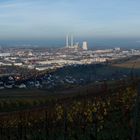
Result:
pixel 8 82
pixel 47 81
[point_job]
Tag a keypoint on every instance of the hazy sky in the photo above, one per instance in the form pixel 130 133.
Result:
pixel 44 19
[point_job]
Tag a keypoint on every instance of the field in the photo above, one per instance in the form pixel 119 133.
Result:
pixel 32 98
pixel 93 112
pixel 131 63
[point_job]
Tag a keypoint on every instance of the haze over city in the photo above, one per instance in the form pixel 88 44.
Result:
pixel 101 23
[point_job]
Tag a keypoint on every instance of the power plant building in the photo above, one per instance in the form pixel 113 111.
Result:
pixel 85 46
pixel 72 45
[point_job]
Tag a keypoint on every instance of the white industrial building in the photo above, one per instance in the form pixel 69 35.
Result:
pixel 85 46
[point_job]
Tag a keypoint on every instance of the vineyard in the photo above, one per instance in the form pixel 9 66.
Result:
pixel 111 115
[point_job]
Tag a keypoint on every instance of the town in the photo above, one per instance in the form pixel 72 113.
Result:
pixel 42 59
pixel 28 67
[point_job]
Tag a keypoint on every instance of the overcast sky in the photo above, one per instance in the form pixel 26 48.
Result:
pixel 44 19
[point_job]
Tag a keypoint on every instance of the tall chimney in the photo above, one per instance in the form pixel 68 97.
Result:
pixel 71 41
pixel 67 41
